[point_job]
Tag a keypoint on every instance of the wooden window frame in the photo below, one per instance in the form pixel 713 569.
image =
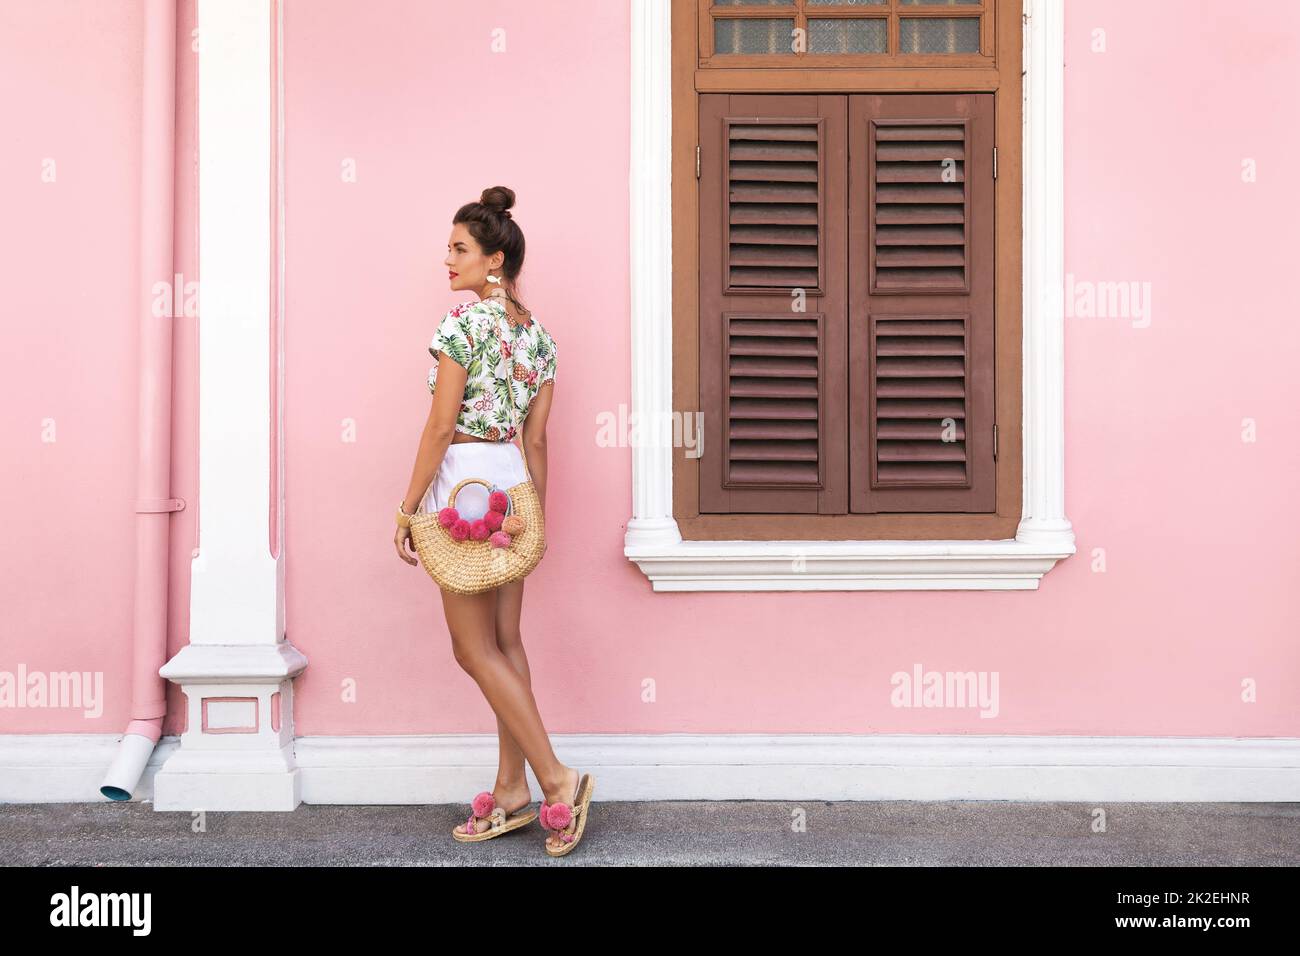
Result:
pixel 678 548
pixel 891 11
pixel 850 525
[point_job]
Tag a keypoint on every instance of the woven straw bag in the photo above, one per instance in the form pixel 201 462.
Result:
pixel 469 566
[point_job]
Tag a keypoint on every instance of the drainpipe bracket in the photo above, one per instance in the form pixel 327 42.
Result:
pixel 150 505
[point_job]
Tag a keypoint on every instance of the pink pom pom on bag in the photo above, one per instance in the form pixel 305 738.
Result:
pixel 469 557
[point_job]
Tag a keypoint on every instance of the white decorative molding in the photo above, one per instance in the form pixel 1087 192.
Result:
pixel 237 648
pixel 845 565
pixel 1044 536
pixel 415 770
pixel 652 527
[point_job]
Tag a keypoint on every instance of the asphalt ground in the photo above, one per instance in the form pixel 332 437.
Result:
pixel 668 833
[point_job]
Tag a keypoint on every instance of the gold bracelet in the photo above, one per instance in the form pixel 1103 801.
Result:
pixel 403 519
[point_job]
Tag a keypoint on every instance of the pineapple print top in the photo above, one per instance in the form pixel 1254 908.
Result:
pixel 507 366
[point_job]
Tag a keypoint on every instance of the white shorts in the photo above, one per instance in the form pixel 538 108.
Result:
pixel 498 462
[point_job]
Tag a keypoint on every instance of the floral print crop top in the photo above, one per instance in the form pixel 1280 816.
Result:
pixel 507 366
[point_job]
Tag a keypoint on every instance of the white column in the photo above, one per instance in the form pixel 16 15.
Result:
pixel 237 671
pixel 1044 523
pixel 652 523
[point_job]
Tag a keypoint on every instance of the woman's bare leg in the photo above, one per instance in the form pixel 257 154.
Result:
pixel 510 603
pixel 510 764
pixel 511 789
pixel 472 620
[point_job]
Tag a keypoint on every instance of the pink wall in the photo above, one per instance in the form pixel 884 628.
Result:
pixel 69 254
pixel 1197 524
pixel 1198 592
pixel 412 93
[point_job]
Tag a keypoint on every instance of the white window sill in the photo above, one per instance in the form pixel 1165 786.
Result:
pixel 1012 564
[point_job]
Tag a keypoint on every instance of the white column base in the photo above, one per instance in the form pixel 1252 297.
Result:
pixel 237 749
pixel 193 780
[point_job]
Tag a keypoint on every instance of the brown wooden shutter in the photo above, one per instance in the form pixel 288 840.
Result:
pixel 773 172
pixel 921 244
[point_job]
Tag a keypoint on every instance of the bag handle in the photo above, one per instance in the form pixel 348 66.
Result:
pixel 451 498
pixel 528 475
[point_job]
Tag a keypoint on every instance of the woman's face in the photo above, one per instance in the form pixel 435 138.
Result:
pixel 467 267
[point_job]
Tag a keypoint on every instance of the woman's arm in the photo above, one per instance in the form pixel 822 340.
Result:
pixel 534 439
pixel 439 429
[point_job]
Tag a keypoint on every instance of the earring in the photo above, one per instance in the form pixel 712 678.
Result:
pixel 495 279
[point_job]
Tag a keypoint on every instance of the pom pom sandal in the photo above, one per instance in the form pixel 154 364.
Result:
pixel 484 806
pixel 557 817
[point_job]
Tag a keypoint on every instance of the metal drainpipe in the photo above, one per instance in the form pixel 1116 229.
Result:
pixel 153 469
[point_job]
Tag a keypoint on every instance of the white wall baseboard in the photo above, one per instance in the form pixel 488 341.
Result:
pixel 47 768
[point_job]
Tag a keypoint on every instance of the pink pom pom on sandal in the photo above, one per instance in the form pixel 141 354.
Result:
pixel 484 806
pixel 557 817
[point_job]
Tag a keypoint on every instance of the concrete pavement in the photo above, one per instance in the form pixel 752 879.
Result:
pixel 686 833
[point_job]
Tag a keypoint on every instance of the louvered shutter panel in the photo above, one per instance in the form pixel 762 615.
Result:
pixel 775 204
pixel 921 329
pixel 773 342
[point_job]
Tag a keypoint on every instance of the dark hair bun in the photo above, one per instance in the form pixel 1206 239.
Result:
pixel 499 199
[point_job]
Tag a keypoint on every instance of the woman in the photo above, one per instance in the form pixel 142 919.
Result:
pixel 496 369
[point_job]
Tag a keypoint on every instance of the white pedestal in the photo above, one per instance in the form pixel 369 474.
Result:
pixel 236 752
